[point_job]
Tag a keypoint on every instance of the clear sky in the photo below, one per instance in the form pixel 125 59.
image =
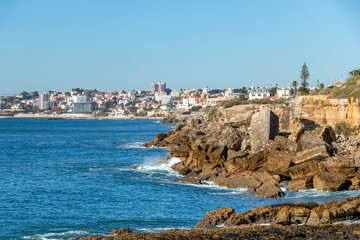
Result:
pixel 115 45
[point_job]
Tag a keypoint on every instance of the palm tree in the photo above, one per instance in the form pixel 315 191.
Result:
pixel 294 84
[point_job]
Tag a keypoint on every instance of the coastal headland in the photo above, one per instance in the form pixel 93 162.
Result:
pixel 269 150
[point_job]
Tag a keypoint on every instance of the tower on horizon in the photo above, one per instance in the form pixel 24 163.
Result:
pixel 158 87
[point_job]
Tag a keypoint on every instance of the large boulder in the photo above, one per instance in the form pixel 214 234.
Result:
pixel 306 169
pixel 244 180
pixel 301 183
pixel 270 190
pixel 330 181
pixel 214 218
pixel 340 164
pixel 279 162
pixel 327 134
pixel 282 143
pixel 312 147
pixel 264 126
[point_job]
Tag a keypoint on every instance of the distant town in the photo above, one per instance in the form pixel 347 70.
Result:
pixel 140 103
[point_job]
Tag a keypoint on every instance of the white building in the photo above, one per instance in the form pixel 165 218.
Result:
pixel 283 92
pixel 44 101
pixel 80 99
pixel 258 92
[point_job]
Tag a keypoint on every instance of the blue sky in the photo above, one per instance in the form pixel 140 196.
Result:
pixel 115 45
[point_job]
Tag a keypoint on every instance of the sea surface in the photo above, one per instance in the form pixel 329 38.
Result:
pixel 67 178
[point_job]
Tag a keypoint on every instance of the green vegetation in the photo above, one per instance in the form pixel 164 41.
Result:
pixel 212 114
pixel 344 128
pixel 195 108
pixel 304 75
pixel 351 88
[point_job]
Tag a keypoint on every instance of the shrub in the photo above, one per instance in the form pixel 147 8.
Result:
pixel 344 128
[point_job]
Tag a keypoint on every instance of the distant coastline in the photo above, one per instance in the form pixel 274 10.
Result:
pixel 78 117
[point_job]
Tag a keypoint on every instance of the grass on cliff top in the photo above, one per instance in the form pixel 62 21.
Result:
pixel 351 88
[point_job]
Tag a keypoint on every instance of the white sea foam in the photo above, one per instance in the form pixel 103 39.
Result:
pixel 153 167
pixel 318 193
pixel 348 222
pixel 49 236
pixel 131 145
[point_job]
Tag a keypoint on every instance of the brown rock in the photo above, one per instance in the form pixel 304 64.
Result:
pixel 305 169
pixel 329 181
pixel 270 190
pixel 279 162
pixel 283 144
pixel 327 134
pixel 264 126
pixel 193 180
pixel 302 183
pixel 244 180
pixel 121 231
pixel 214 218
pixel 340 164
pixel 180 168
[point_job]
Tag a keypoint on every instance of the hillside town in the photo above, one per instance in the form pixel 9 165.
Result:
pixel 138 103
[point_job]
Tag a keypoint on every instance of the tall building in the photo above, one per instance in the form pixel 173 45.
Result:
pixel 158 87
pixel 44 101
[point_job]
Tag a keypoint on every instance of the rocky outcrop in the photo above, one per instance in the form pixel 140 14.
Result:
pixel 264 126
pixel 309 213
pixel 281 232
pixel 246 152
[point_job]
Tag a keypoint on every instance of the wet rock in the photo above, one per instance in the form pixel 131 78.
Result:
pixel 264 126
pixel 270 190
pixel 193 180
pixel 214 218
pixel 244 180
pixel 180 168
pixel 330 181
pixel 121 231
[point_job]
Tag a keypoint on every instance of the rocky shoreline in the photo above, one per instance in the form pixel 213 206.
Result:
pixel 249 151
pixel 280 221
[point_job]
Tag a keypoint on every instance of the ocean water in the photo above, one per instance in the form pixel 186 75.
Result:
pixel 68 178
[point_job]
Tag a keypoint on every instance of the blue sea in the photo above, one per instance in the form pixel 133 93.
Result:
pixel 68 178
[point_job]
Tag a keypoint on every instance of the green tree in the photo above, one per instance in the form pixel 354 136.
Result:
pixel 304 75
pixel 294 84
pixel 322 86
pixel 354 73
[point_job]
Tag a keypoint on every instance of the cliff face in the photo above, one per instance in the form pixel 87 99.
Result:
pixel 326 111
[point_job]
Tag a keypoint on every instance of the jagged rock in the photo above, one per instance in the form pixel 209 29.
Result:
pixel 301 183
pixel 270 190
pixel 214 218
pixel 231 154
pixel 264 126
pixel 121 231
pixel 279 162
pixel 293 214
pixel 297 132
pixel 210 168
pixel 327 134
pixel 330 181
pixel 311 147
pixel 282 143
pixel 244 180
pixel 340 164
pixel 305 169
pixel 180 168
pixel 182 151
